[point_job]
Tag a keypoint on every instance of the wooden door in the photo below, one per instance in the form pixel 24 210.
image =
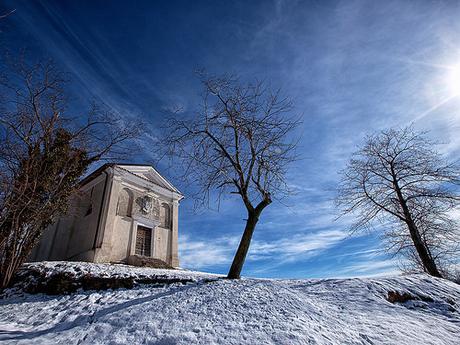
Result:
pixel 144 241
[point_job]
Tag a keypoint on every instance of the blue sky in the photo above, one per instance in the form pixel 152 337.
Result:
pixel 352 67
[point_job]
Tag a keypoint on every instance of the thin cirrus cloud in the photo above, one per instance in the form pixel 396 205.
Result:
pixel 297 247
pixel 375 265
pixel 198 254
pixel 204 253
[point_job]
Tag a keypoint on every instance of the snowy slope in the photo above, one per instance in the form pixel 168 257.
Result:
pixel 250 311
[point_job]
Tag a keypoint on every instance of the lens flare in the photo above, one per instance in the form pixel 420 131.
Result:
pixel 453 80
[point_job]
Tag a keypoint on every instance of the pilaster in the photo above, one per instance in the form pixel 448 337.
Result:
pixel 175 235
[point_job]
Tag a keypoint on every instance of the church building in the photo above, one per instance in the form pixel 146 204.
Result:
pixel 121 211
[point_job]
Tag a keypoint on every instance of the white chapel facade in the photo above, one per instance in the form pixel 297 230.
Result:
pixel 120 211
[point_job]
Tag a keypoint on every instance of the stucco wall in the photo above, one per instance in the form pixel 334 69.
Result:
pixel 162 245
pixel 76 236
pixel 83 231
pixel 121 239
pixel 72 236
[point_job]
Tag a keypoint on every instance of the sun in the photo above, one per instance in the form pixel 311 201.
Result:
pixel 444 85
pixel 453 80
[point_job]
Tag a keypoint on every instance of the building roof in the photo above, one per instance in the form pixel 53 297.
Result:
pixel 143 171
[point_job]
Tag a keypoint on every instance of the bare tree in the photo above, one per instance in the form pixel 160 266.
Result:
pixel 397 177
pixel 43 154
pixel 239 143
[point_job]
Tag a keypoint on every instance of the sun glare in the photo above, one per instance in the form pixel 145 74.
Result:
pixel 453 80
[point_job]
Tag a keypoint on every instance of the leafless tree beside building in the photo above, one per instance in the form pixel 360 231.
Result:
pixel 43 154
pixel 240 142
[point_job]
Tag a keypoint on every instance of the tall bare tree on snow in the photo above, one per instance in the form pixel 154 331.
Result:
pixel 398 178
pixel 239 143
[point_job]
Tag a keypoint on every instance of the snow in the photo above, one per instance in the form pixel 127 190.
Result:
pixel 249 311
pixel 79 269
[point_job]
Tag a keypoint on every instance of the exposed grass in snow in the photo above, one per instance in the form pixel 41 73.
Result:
pixel 250 311
pixel 118 270
pixel 60 277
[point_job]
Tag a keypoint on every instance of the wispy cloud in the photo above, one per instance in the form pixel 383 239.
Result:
pixel 297 247
pixel 370 268
pixel 370 263
pixel 205 252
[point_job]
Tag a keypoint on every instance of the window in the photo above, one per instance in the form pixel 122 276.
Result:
pixel 165 216
pixel 125 203
pixel 143 241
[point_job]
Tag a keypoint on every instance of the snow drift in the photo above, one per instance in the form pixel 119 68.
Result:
pixel 415 309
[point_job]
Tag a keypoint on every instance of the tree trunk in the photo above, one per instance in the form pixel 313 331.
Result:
pixel 7 272
pixel 8 266
pixel 240 256
pixel 427 261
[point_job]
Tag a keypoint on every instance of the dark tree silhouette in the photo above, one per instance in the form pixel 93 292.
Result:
pixel 398 177
pixel 43 154
pixel 239 143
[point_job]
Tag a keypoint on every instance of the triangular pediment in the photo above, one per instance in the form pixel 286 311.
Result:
pixel 149 173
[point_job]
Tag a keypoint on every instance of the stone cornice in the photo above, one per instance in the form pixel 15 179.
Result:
pixel 144 185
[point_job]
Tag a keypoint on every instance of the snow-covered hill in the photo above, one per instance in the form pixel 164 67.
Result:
pixel 250 311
